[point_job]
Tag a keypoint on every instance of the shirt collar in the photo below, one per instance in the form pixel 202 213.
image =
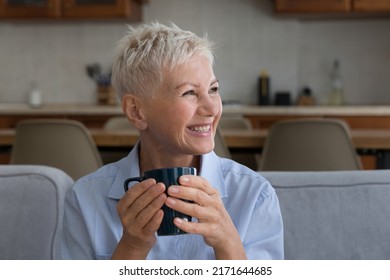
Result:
pixel 129 167
pixel 211 170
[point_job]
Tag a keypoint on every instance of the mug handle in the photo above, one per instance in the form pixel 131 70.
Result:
pixel 127 181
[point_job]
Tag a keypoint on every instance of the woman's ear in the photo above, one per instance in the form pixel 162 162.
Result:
pixel 132 107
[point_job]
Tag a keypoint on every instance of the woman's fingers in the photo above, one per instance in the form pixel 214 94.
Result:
pixel 194 189
pixel 133 193
pixel 197 182
pixel 147 213
pixel 154 223
pixel 146 198
pixel 139 207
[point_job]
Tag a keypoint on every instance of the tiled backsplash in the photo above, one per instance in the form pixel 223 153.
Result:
pixel 249 38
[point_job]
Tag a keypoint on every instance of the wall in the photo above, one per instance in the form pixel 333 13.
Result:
pixel 249 39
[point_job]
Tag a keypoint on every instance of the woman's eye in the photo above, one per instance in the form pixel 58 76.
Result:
pixel 190 92
pixel 214 90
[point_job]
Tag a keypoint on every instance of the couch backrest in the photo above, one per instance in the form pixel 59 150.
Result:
pixel 334 215
pixel 31 208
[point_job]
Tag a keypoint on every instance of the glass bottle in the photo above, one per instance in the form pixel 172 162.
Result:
pixel 35 96
pixel 264 89
pixel 336 95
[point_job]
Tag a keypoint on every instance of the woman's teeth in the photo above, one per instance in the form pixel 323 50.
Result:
pixel 205 128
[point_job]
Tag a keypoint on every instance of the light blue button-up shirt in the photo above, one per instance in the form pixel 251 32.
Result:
pixel 92 228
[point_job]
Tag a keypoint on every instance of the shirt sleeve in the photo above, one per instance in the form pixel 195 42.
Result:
pixel 75 242
pixel 264 239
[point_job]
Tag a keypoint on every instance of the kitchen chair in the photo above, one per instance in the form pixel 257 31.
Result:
pixel 64 144
pixel 220 147
pixel 112 124
pixel 309 145
pixel 238 122
pixel 31 209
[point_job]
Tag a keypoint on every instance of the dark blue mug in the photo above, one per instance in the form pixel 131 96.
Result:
pixel 168 176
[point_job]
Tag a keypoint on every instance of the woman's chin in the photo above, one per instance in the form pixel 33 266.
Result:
pixel 202 150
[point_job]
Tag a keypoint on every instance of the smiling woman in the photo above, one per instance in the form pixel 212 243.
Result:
pixel 191 109
pixel 169 92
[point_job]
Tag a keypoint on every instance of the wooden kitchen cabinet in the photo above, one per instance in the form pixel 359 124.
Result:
pixel 344 7
pixel 30 8
pixel 102 9
pixel 312 6
pixel 71 9
pixel 371 5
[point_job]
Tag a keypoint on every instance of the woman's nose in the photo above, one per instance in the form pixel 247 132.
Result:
pixel 210 105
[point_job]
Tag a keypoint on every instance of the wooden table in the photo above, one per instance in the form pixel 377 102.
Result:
pixel 370 142
pixel 252 139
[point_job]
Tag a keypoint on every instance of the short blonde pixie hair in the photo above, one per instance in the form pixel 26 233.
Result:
pixel 148 50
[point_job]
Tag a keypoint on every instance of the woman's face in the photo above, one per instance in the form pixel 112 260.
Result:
pixel 183 114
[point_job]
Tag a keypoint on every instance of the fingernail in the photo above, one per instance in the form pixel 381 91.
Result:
pixel 161 187
pixel 162 197
pixel 173 189
pixel 178 220
pixel 184 179
pixel 170 201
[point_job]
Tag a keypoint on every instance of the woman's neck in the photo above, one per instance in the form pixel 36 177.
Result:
pixel 152 159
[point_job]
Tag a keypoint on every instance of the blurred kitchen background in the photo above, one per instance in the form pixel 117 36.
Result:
pixel 249 38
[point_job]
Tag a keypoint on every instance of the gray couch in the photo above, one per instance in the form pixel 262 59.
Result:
pixel 334 215
pixel 327 215
pixel 31 207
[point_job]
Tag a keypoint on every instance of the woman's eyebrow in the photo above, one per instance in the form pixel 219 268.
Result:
pixel 196 85
pixel 187 84
pixel 214 81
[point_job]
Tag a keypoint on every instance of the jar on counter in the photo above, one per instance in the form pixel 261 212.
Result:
pixel 35 96
pixel 336 95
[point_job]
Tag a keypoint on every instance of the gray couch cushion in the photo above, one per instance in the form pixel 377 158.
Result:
pixel 334 215
pixel 31 208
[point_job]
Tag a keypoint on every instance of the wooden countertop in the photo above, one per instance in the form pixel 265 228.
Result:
pixel 90 109
pixel 250 139
pixel 366 110
pixel 60 109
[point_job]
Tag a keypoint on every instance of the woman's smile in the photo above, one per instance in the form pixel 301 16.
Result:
pixel 201 128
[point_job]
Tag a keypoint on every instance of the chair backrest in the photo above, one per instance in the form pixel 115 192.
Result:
pixel 31 209
pixel 221 148
pixel 64 144
pixel 115 123
pixel 309 145
pixel 238 122
pixel 334 215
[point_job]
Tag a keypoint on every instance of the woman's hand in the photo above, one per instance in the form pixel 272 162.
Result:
pixel 214 223
pixel 141 215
